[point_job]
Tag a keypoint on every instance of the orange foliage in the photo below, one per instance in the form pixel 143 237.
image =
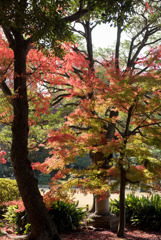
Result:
pixel 18 202
pixel 2 154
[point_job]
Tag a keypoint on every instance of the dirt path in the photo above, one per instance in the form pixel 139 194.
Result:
pixel 88 198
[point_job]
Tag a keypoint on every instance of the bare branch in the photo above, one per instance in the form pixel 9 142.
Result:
pixel 146 125
pixel 9 36
pixel 80 128
pixel 143 70
pixel 3 84
pixel 71 104
pixel 150 43
pixel 77 31
pixel 59 98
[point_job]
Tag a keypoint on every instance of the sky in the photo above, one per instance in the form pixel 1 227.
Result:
pixel 103 36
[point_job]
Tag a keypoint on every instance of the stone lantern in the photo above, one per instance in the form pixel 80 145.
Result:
pixel 102 218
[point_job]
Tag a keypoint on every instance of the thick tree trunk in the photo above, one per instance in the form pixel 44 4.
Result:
pixel 122 217
pixel 42 226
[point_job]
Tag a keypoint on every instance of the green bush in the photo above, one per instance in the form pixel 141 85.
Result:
pixel 144 212
pixel 3 210
pixel 18 220
pixel 8 190
pixel 1 225
pixel 67 216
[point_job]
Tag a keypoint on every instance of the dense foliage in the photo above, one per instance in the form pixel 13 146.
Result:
pixel 67 216
pixel 142 212
pixel 17 219
pixel 8 190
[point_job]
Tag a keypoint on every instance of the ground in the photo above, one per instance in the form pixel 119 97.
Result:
pixel 88 198
pixel 90 234
pixel 131 234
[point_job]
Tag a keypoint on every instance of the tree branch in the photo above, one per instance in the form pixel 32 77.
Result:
pixel 59 98
pixel 5 89
pixel 3 84
pixel 146 125
pixel 132 182
pixel 80 128
pixel 9 36
pixel 76 16
pixel 78 31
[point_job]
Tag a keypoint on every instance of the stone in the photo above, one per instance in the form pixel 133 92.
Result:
pixel 102 218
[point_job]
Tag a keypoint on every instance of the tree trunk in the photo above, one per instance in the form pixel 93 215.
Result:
pixel 92 210
pixel 42 225
pixel 122 217
pixel 117 50
pixel 89 44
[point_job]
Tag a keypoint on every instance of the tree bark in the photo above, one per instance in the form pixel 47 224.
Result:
pixel 122 216
pixel 117 49
pixel 88 35
pixel 42 226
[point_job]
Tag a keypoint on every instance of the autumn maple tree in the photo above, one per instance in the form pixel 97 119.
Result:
pixel 136 101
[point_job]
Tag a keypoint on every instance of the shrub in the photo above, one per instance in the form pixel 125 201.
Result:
pixel 18 220
pixel 8 190
pixel 67 216
pixel 144 212
pixel 1 225
pixel 3 209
